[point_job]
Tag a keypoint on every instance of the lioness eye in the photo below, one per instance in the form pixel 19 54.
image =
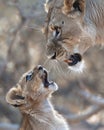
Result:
pixel 29 76
pixel 63 22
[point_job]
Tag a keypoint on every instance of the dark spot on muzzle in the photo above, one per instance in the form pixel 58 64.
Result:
pixel 75 58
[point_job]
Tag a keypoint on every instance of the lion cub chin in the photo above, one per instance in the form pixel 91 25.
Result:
pixel 31 95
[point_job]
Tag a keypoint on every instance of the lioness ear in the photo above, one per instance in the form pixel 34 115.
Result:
pixel 14 97
pixel 74 8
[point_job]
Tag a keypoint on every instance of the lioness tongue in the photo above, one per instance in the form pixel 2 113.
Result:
pixel 68 61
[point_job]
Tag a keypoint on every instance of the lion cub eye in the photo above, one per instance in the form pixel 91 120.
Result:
pixel 29 76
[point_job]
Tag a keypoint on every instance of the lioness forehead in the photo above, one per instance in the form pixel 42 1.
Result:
pixel 58 16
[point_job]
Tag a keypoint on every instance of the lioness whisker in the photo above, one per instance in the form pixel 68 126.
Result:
pixel 33 27
pixel 46 61
pixel 60 67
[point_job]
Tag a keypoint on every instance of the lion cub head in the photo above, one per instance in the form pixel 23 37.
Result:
pixel 33 87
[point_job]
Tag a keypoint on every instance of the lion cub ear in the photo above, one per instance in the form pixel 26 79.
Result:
pixel 74 8
pixel 14 97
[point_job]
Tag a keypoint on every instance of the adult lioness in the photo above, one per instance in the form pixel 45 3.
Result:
pixel 74 26
pixel 31 96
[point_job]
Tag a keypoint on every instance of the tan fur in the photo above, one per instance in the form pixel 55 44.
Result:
pixel 33 100
pixel 82 26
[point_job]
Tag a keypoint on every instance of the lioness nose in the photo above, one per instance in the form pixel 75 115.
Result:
pixel 53 56
pixel 56 31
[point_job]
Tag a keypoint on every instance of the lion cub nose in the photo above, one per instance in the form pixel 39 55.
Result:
pixel 40 67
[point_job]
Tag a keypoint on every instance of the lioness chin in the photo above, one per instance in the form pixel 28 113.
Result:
pixel 73 27
pixel 31 95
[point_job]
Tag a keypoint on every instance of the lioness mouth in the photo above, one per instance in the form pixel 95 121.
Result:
pixel 73 59
pixel 44 77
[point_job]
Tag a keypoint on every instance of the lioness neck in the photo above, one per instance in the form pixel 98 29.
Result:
pixel 94 19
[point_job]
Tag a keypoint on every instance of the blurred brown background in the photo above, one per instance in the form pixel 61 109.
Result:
pixel 22 46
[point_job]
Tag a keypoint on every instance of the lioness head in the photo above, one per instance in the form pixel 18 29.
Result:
pixel 67 40
pixel 32 88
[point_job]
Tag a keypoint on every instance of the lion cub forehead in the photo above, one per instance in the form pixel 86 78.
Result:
pixel 34 70
pixel 24 75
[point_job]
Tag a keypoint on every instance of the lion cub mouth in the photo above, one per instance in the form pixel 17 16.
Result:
pixel 44 77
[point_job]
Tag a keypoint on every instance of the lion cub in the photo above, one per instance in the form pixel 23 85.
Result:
pixel 31 95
